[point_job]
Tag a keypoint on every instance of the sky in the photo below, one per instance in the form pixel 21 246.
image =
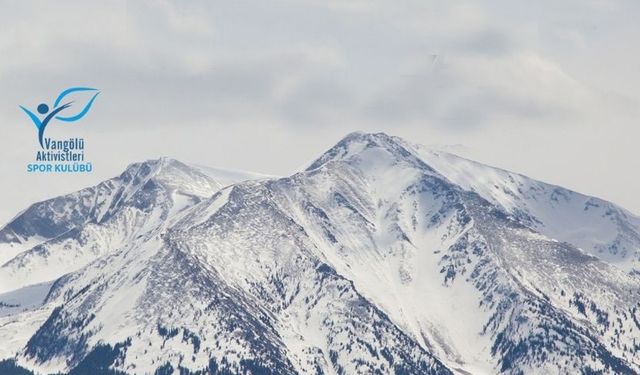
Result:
pixel 546 88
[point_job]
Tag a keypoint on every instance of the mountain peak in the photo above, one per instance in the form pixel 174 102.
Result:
pixel 365 137
pixel 357 144
pixel 172 174
pixel 153 166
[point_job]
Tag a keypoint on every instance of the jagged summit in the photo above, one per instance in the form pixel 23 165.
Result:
pixel 369 147
pixel 172 173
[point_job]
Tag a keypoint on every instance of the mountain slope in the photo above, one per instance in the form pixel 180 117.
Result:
pixel 72 230
pixel 63 234
pixel 594 225
pixel 379 258
pixel 179 299
pixel 403 236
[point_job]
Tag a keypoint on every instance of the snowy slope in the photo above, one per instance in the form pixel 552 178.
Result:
pixel 200 295
pixel 594 225
pixel 63 234
pixel 414 234
pixel 227 177
pixel 381 257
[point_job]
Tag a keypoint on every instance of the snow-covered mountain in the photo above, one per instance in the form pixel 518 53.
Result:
pixel 594 225
pixel 381 257
pixel 63 234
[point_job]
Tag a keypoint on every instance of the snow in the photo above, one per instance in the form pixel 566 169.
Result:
pixel 591 224
pixel 230 176
pixel 9 250
pixel 23 299
pixel 380 254
pixel 16 329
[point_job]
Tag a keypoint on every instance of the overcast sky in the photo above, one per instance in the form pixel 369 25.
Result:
pixel 545 88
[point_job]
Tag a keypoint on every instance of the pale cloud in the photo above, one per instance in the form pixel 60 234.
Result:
pixel 544 88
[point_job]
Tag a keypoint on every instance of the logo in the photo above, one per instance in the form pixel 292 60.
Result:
pixel 61 155
pixel 43 109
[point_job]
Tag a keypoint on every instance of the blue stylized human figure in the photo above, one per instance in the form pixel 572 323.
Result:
pixel 43 109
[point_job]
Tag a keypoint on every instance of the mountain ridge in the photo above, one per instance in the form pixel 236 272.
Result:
pixel 375 258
